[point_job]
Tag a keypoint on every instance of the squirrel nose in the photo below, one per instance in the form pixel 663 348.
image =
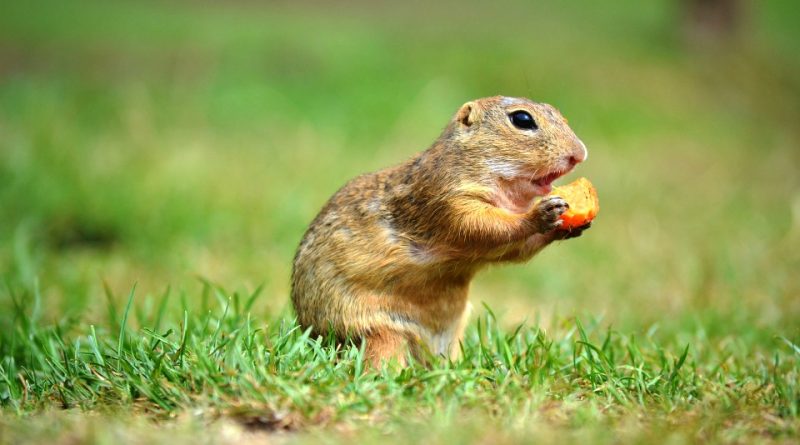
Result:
pixel 579 155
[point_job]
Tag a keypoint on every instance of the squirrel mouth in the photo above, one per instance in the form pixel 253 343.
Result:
pixel 544 184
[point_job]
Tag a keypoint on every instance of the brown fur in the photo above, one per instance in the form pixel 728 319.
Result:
pixel 390 257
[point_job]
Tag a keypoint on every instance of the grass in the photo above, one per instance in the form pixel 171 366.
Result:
pixel 222 363
pixel 154 143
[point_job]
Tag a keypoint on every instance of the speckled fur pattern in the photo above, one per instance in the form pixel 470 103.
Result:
pixel 390 257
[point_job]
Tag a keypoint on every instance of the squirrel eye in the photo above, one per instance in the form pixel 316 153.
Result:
pixel 523 120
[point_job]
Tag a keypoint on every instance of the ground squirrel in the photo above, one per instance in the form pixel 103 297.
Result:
pixel 389 258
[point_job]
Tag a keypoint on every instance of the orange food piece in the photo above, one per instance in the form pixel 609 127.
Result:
pixel 583 203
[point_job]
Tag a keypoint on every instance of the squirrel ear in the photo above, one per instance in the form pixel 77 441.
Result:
pixel 467 114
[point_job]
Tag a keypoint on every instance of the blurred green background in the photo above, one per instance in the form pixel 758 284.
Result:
pixel 166 143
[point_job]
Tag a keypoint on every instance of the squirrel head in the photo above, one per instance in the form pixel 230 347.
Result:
pixel 516 139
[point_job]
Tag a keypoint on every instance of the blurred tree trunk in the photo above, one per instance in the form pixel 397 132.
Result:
pixel 712 20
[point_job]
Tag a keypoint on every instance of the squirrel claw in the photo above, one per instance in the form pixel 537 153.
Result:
pixel 548 212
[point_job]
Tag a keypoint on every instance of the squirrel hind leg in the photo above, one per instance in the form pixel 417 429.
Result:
pixel 386 345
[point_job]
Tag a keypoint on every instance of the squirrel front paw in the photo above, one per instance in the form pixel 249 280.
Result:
pixel 562 234
pixel 547 212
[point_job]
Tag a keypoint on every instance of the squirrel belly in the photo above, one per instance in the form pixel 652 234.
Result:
pixel 389 258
